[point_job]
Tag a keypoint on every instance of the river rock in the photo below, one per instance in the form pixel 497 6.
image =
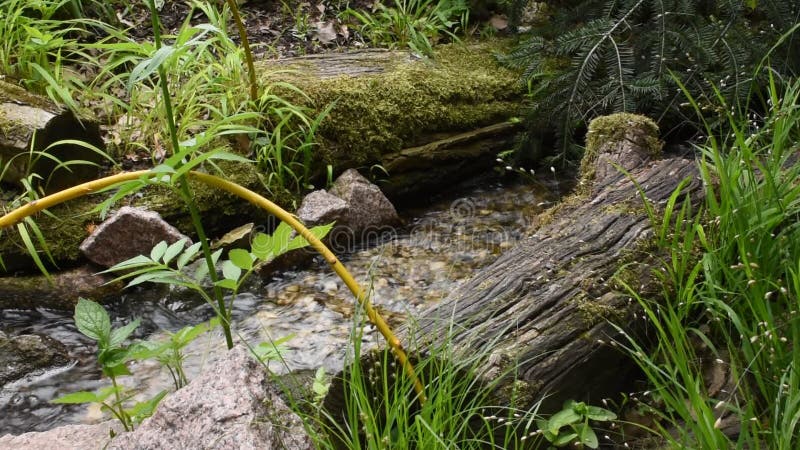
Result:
pixel 68 437
pixel 23 354
pixel 321 207
pixel 127 233
pixel 231 405
pixel 367 207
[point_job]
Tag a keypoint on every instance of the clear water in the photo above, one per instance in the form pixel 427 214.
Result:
pixel 439 247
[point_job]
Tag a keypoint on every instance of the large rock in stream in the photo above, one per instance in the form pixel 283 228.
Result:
pixel 549 304
pixel 231 405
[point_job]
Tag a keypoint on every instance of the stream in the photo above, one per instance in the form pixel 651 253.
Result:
pixel 439 246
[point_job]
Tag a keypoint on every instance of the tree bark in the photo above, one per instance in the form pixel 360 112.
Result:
pixel 29 125
pixel 550 304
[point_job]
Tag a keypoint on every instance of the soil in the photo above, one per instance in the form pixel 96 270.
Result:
pixel 275 29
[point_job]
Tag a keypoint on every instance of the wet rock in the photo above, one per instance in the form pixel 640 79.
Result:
pixel 367 208
pixel 127 233
pixel 69 437
pixel 230 405
pixel 320 207
pixel 27 353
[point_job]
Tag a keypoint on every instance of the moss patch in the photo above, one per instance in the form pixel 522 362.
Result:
pixel 408 100
pixel 614 128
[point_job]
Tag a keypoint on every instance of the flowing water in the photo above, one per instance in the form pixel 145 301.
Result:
pixel 417 264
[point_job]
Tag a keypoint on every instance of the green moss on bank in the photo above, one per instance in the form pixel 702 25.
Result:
pixel 462 88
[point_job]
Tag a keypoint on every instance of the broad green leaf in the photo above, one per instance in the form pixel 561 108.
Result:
pixel 230 271
pixel 241 258
pixel 188 254
pixel 119 335
pixel 564 439
pixel 600 414
pixel 174 249
pixel 227 283
pixel 280 238
pixel 77 397
pixel 116 371
pixel 261 246
pixel 92 320
pixel 297 242
pixel 136 261
pixel 189 333
pixel 143 410
pixel 145 68
pixel 158 251
pixel 155 276
pixel 146 350
pixel 586 435
pixel 320 231
pixel 215 256
pixel 564 417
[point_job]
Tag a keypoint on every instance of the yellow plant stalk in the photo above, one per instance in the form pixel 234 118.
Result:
pixel 80 190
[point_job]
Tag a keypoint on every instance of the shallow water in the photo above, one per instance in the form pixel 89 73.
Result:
pixel 439 247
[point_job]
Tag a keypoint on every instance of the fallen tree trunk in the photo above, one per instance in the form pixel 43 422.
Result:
pixel 548 305
pixel 29 125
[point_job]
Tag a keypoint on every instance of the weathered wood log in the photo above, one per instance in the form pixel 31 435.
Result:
pixel 546 310
pixel 548 304
pixel 61 292
pixel 29 125
pixel 427 122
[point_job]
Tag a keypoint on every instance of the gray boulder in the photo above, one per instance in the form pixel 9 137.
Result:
pixel 68 437
pixel 367 207
pixel 27 353
pixel 320 207
pixel 231 405
pixel 127 233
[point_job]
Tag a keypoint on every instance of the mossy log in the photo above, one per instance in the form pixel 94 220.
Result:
pixel 29 125
pixel 549 305
pixel 426 121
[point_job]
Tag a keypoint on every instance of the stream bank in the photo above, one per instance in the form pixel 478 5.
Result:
pixel 439 247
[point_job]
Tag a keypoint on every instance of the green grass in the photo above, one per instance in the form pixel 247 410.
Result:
pixel 732 285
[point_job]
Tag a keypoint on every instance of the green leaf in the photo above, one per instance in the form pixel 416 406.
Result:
pixel 153 276
pixel 188 254
pixel 189 333
pixel 116 370
pixel 600 414
pixel 280 238
pixel 241 258
pixel 231 271
pixel 119 335
pixel 227 283
pixel 145 68
pixel 174 249
pixel 34 254
pixel 564 439
pixel 92 320
pixel 77 397
pixel 586 435
pixel 145 409
pixel 136 261
pixel 158 251
pixel 261 246
pixel 564 417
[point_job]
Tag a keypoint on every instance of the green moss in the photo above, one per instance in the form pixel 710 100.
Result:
pixel 462 88
pixel 614 128
pixel 13 93
pixel 65 227
pixel 594 312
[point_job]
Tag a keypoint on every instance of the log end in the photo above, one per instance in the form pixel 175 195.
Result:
pixel 623 140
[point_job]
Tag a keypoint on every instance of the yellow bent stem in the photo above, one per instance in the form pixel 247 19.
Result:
pixel 374 316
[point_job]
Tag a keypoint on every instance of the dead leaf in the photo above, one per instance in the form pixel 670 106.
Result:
pixel 498 22
pixel 325 32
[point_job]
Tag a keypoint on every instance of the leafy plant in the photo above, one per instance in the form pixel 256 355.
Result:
pixel 571 425
pixel 92 321
pixel 418 24
pixel 169 352
pixel 157 267
pixel 596 57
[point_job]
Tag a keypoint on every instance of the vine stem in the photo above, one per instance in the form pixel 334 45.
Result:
pixel 19 214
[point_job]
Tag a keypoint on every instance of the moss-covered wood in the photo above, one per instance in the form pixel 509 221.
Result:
pixel 30 124
pixel 548 304
pixel 386 101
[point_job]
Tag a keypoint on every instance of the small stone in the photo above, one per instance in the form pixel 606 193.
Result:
pixel 127 233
